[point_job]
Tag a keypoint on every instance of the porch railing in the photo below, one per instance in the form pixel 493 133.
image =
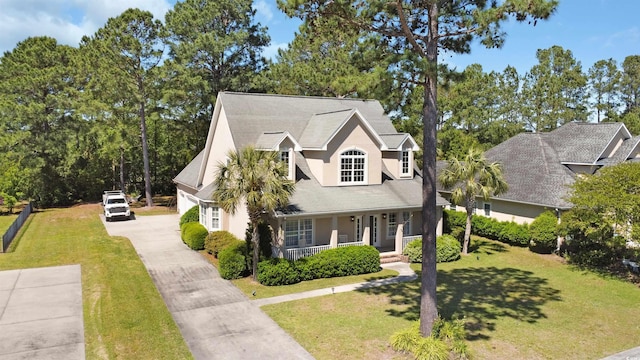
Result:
pixel 407 239
pixel 356 243
pixel 297 253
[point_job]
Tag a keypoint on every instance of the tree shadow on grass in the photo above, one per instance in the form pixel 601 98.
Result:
pixel 480 295
pixel 486 247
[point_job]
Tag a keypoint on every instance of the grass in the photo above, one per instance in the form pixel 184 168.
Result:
pixel 516 304
pixel 6 221
pixel 124 315
pixel 248 286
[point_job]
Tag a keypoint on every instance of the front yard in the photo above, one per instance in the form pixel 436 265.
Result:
pixel 124 315
pixel 6 221
pixel 517 305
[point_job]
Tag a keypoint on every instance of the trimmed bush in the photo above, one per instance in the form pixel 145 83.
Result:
pixel 218 240
pixel 544 233
pixel 277 271
pixel 453 219
pixel 192 215
pixel 232 260
pixel 486 227
pixel 193 234
pixel 447 248
pixel 515 234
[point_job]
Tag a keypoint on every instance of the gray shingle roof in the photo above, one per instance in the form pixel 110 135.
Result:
pixel 189 175
pixel 321 127
pixel 250 115
pixel 534 163
pixel 310 198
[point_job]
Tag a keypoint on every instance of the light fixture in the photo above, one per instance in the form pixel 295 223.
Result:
pixel 384 216
pixel 353 218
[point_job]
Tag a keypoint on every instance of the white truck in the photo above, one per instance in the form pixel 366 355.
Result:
pixel 115 205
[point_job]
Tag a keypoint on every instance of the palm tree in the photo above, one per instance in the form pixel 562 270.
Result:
pixel 472 177
pixel 260 179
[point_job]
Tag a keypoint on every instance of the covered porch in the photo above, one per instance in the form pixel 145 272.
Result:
pixel 388 231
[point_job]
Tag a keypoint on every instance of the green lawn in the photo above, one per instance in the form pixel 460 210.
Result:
pixel 124 315
pixel 517 305
pixel 6 221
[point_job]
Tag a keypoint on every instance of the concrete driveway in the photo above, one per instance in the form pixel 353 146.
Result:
pixel 216 320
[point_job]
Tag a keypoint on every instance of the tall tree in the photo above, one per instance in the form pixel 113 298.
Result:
pixel 604 85
pixel 259 179
pixel 470 177
pixel 130 47
pixel 418 31
pixel 631 82
pixel 555 88
pixel 38 119
pixel 215 45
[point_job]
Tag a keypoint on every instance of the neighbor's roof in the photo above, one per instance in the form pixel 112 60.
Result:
pixel 534 164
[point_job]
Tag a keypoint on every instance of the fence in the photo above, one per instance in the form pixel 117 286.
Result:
pixel 8 236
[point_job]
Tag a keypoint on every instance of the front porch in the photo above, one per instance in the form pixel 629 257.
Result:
pixel 300 252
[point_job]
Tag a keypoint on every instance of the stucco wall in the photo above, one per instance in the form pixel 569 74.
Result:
pixel 221 144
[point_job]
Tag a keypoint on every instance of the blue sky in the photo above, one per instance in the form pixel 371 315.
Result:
pixel 591 29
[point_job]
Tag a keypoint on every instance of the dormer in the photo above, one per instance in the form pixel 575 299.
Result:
pixel 286 146
pixel 399 157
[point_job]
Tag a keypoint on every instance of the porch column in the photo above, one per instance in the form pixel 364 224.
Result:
pixel 278 238
pixel 366 231
pixel 333 242
pixel 399 234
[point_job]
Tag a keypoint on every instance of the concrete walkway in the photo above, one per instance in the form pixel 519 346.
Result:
pixel 216 320
pixel 41 313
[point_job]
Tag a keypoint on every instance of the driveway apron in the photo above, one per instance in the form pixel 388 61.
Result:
pixel 215 318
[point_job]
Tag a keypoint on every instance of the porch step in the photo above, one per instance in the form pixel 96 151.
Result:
pixel 389 258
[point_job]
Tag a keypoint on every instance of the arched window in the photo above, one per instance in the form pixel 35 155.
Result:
pixel 353 165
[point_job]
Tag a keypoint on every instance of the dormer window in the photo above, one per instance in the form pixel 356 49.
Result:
pixel 353 167
pixel 285 157
pixel 406 159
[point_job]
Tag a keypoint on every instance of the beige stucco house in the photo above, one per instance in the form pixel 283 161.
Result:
pixel 356 183
pixel 540 167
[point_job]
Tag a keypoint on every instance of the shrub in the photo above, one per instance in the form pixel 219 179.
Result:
pixel 453 219
pixel 264 231
pixel 447 248
pixel 446 341
pixel 458 233
pixel 218 240
pixel 486 227
pixel 233 263
pixel 344 261
pixel 193 234
pixel 544 232
pixel 515 234
pixel 277 271
pixel 414 251
pixel 192 215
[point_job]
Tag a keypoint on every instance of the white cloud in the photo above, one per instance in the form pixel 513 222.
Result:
pixel 65 20
pixel 271 51
pixel 263 10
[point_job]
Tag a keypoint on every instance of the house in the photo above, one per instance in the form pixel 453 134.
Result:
pixel 356 183
pixel 540 167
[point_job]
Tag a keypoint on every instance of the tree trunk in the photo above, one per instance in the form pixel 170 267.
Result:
pixel 122 169
pixel 255 239
pixel 145 152
pixel 428 303
pixel 467 230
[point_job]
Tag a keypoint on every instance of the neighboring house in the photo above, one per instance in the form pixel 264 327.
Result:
pixel 540 167
pixel 356 183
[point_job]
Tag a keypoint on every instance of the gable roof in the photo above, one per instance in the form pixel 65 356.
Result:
pixel 535 164
pixel 189 175
pixel 272 140
pixel 250 115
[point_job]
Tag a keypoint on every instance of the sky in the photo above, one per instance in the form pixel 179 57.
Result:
pixel 592 29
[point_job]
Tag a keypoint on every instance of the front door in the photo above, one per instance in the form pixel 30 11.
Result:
pixel 374 237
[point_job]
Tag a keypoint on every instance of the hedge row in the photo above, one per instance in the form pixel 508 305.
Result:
pixel 447 249
pixel 192 215
pixel 232 260
pixel 540 236
pixel 216 241
pixel 344 261
pixel 193 234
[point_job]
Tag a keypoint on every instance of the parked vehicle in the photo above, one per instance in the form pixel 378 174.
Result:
pixel 115 205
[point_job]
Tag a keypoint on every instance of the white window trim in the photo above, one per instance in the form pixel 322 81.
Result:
pixel 203 214
pixel 290 163
pixel 365 180
pixel 409 173
pixel 298 220
pixel 406 224
pixel 389 234
pixel 358 228
pixel 486 209
pixel 219 218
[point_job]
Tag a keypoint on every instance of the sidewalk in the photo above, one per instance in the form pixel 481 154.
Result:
pixel 405 274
